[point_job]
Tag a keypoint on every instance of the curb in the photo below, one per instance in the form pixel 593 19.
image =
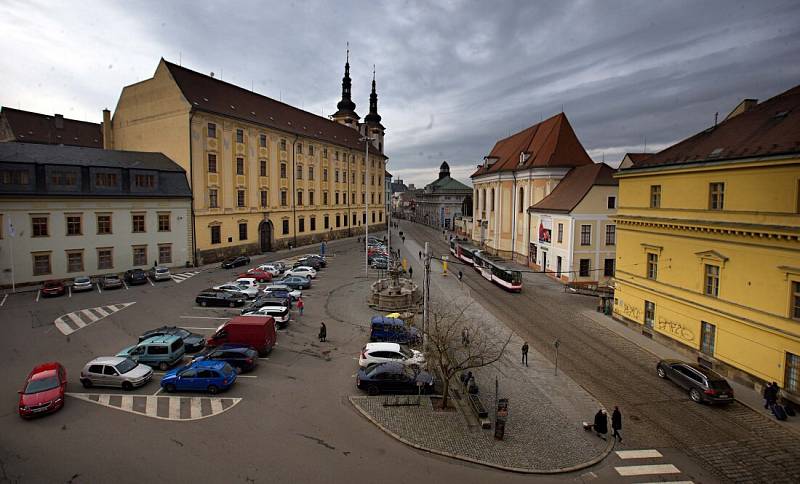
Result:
pixel 464 458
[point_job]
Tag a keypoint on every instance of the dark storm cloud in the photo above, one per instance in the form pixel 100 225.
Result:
pixel 453 77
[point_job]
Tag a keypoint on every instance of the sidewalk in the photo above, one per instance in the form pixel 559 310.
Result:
pixel 543 432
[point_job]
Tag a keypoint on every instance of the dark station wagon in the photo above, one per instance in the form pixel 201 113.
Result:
pixel 703 384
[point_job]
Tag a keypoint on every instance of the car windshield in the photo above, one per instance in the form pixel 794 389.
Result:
pixel 182 333
pixel 406 351
pixel 161 270
pixel 126 365
pixel 719 384
pixel 81 280
pixel 41 385
pixel 228 370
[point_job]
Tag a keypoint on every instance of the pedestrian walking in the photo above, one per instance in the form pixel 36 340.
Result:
pixel 410 272
pixel 403 238
pixel 420 255
pixel 771 395
pixel 460 275
pixel 525 353
pixel 323 332
pixel 300 305
pixel 465 337
pixel 616 424
pixel 601 423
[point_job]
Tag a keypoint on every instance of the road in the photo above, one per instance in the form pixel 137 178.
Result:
pixel 733 442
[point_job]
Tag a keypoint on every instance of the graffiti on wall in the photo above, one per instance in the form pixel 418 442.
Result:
pixel 632 312
pixel 675 329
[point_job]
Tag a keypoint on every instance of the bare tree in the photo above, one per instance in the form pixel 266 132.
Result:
pixel 455 343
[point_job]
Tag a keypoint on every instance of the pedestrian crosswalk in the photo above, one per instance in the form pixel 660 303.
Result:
pixel 651 470
pixel 71 322
pixel 162 407
pixel 178 278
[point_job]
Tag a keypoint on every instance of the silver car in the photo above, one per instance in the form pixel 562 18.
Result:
pixel 160 273
pixel 115 371
pixel 82 283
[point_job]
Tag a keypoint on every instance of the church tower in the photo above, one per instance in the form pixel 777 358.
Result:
pixel 346 113
pixel 372 122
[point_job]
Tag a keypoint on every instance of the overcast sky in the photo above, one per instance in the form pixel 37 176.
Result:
pixel 453 76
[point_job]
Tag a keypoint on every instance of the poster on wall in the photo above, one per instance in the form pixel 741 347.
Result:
pixel 545 228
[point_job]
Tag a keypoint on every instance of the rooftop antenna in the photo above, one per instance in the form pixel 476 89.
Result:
pixel 251 86
pixel 715 118
pixel 180 58
pixel 562 108
pixel 645 143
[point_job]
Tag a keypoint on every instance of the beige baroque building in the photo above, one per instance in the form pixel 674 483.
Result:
pixel 263 174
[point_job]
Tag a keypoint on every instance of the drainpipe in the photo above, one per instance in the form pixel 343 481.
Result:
pixel 293 194
pixel 514 216
pixel 191 186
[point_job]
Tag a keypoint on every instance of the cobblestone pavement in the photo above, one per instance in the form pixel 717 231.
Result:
pixel 734 442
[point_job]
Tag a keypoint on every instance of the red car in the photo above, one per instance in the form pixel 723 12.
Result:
pixel 44 390
pixel 258 274
pixel 53 288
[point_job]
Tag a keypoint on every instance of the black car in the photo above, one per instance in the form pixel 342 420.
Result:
pixel 262 301
pixel 279 294
pixel 110 281
pixel 296 282
pixel 241 357
pixel 704 385
pixel 393 377
pixel 191 341
pixel 213 297
pixel 320 258
pixel 232 262
pixel 308 262
pixel 135 276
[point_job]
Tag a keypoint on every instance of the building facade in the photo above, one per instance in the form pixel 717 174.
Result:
pixel 441 201
pixel 572 237
pixel 68 211
pixel 28 127
pixel 264 174
pixel 708 254
pixel 519 172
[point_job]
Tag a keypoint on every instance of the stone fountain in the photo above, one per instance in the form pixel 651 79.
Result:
pixel 395 293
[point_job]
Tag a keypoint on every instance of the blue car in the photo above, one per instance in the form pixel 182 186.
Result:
pixel 296 282
pixel 209 376
pixel 392 330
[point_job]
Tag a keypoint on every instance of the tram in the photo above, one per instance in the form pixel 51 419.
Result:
pixel 493 269
pixel 462 251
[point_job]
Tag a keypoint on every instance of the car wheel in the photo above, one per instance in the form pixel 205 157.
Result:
pixel 212 389
pixel 86 383
pixel 127 386
pixel 169 387
pixel 661 372
pixel 163 366
pixel 694 394
pixel 373 390
pixel 204 303
pixel 231 304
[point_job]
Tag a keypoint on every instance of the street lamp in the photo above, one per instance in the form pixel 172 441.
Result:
pixel 366 140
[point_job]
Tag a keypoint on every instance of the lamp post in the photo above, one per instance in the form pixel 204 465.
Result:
pixel 366 139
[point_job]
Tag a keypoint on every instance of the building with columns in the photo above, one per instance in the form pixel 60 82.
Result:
pixel 441 201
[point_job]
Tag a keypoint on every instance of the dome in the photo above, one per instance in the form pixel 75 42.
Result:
pixel 444 170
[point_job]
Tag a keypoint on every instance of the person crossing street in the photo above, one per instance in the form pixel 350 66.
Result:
pixel 300 305
pixel 525 353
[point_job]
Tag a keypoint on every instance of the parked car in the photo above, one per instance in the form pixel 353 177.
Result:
pixel 380 263
pixel 191 341
pixel 110 281
pixel 43 391
pixel 160 273
pixel 203 376
pixel 241 357
pixel 261 301
pixel 53 288
pixel 82 283
pixel 278 294
pixel 302 271
pixel 158 351
pixel 373 353
pixel 213 297
pixel 232 287
pixel 258 274
pixel 258 332
pixel 296 282
pixel 704 385
pixel 115 371
pixel 386 329
pixel 232 262
pixel 294 293
pixel 135 276
pixel 393 378
pixel 308 262
pixel 279 313
pixel 271 268
pixel 245 281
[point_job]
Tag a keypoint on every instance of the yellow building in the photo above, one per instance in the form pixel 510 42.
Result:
pixel 708 244
pixel 263 174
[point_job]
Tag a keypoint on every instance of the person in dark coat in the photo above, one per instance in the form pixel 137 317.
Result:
pixel 525 354
pixel 410 272
pixel 323 332
pixel 616 424
pixel 770 395
pixel 601 423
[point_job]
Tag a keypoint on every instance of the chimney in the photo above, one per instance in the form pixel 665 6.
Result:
pixel 108 141
pixel 59 120
pixel 743 107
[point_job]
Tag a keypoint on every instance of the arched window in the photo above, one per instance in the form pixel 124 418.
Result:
pixel 483 200
pixel 492 201
pixel 521 200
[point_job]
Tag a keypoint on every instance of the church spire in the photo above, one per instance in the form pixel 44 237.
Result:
pixel 346 113
pixel 373 116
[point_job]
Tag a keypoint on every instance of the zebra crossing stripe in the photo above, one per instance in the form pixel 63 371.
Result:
pixel 181 409
pixel 647 470
pixel 71 322
pixel 638 454
pixel 178 278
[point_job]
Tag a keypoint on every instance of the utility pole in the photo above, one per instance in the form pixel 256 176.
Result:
pixel 426 296
pixel 366 140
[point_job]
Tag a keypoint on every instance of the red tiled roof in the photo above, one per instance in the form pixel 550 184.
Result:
pixel 572 188
pixel 637 158
pixel 215 96
pixel 29 127
pixel 551 143
pixel 767 129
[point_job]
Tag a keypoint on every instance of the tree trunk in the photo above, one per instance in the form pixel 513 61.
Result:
pixel 445 393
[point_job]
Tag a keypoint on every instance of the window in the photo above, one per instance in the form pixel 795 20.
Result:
pixel 363 179
pixel 41 264
pixel 242 231
pixel 716 196
pixel 105 179
pixel 311 173
pixel 560 233
pixel 75 261
pixel 325 222
pixel 283 145
pixel 336 156
pixel 363 198
pixel 655 196
pixel 612 202
pixel 283 170
pixel 311 150
pixel 264 198
pixel 262 141
pixel 105 258
pixel 521 200
pixel 372 198
pixel 103 224
pixel 311 197
pixel 139 255
pixel 299 148
pixel 363 218
pixel 324 174
pixel 213 201
pixel 164 222
pixel 284 197
pixel 216 234
pixel 301 225
pixel 312 224
pixel 380 216
pixel 336 198
pixel 586 235
pixel 611 234
pixel 299 197
pixel 240 136
pixel 145 181
pixel 652 265
pixel 240 198
pixel 14 177
pixel 212 130
pixel 373 217
pixel 708 333
pixel 792 380
pixel 712 280
pixel 796 300
pixel 74 225
pixel 212 163
pixel 299 174
pixel 325 198
pixel 584 267
pixel 649 314
pixel 165 253
pixel 239 165
pixel 608 268
pixel 39 225
pixel 492 201
pixel 137 223
pixel 262 164
pixel 344 198
pixel 324 152
pixel 337 221
pixel 63 178
pixel 285 226
pixel 354 219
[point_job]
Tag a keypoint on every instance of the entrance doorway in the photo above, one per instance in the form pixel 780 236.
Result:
pixel 265 235
pixel 558 266
pixel 544 261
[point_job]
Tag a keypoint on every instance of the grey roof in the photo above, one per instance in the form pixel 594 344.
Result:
pixel 41 154
pixel 447 184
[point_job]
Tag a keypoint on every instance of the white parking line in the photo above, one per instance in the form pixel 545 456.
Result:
pixel 99 291
pixel 194 408
pixel 92 318
pixel 127 403
pixel 158 391
pixel 216 405
pixel 69 288
pixel 4 300
pixel 38 293
pixel 175 412
pixel 202 317
pixel 647 469
pixel 151 282
pixel 125 284
pixel 263 359
pixel 638 454
pixel 246 376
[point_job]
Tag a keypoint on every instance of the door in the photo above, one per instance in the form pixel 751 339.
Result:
pixel 544 261
pixel 188 380
pixel 558 266
pixel 265 235
pixel 110 376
